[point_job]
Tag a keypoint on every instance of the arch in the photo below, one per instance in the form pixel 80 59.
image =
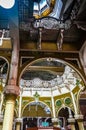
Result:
pixel 33 102
pixel 63 107
pixel 54 59
pixel 63 116
pixel 78 99
pixel 84 55
pixel 15 113
pixel 4 58
pixel 7 61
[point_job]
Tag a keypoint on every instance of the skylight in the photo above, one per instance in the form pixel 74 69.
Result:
pixel 57 9
pixel 36 6
pixel 40 7
pixel 42 3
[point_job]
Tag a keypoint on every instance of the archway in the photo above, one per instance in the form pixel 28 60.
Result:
pixel 40 110
pixel 64 115
pixel 82 104
pixel 53 81
pixel 4 68
pixel 36 114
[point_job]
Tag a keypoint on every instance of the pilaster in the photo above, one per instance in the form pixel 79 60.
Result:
pixel 1 121
pixel 18 122
pixel 79 119
pixel 72 123
pixel 55 122
pixel 9 112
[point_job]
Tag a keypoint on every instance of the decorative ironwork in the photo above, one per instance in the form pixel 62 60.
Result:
pixel 36 96
pixel 58 103
pixel 51 23
pixel 67 101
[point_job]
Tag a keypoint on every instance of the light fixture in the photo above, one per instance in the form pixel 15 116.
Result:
pixel 7 4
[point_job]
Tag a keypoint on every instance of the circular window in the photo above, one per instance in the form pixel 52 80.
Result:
pixel 58 103
pixel 67 101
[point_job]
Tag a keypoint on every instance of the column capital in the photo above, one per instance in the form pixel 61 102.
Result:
pixel 54 119
pixel 71 120
pixel 18 120
pixel 79 117
pixel 1 118
pixel 12 89
pixel 55 122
